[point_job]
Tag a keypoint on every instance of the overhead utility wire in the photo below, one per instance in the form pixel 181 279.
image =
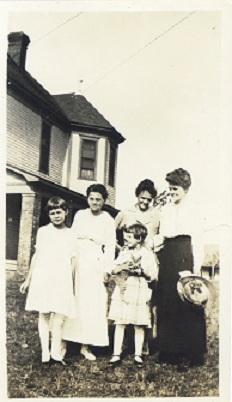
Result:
pixel 138 51
pixel 56 28
pixel 133 55
pixel 53 30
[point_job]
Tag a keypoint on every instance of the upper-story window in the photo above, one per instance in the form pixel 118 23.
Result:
pixel 45 148
pixel 88 159
pixel 112 165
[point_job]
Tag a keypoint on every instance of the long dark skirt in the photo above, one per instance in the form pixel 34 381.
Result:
pixel 180 328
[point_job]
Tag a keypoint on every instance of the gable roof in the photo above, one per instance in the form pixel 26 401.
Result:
pixel 82 114
pixel 20 82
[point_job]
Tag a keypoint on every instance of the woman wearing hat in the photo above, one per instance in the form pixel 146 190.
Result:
pixel 181 331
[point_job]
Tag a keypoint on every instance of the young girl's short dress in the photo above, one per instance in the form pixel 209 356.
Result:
pixel 130 303
pixel 51 286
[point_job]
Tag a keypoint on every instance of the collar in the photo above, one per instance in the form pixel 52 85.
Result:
pixel 135 208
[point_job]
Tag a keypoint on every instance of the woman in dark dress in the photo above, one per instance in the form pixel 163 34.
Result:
pixel 181 331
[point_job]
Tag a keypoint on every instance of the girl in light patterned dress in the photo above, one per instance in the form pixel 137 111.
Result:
pixel 134 268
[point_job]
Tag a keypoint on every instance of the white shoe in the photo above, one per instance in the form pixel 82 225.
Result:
pixel 87 354
pixel 138 359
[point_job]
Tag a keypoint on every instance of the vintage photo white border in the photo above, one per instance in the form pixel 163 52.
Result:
pixel 225 155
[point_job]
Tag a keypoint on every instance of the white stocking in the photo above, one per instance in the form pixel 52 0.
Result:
pixel 118 338
pixel 43 327
pixel 56 346
pixel 139 339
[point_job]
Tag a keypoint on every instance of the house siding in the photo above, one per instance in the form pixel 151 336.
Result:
pixel 28 189
pixel 23 142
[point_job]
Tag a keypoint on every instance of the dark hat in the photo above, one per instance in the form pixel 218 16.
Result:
pixel 179 177
pixel 195 290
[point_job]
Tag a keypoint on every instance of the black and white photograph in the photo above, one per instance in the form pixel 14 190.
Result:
pixel 116 166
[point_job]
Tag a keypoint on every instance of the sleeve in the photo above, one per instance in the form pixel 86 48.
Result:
pixel 119 220
pixel 110 243
pixel 39 239
pixel 121 261
pixel 156 221
pixel 73 247
pixel 76 223
pixel 79 228
pixel 150 265
pixel 123 257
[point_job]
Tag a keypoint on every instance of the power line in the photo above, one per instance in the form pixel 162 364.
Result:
pixel 53 30
pixel 56 28
pixel 139 50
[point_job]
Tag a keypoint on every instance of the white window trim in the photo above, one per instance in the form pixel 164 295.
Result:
pixel 95 139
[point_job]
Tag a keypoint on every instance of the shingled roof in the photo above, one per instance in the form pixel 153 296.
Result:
pixel 20 82
pixel 68 110
pixel 81 113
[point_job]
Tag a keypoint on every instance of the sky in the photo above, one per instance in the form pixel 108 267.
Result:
pixel 156 76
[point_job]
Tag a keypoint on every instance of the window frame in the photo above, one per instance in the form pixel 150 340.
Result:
pixel 44 156
pixel 80 168
pixel 112 166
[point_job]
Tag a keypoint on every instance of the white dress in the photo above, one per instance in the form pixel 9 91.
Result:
pixel 93 233
pixel 130 303
pixel 51 288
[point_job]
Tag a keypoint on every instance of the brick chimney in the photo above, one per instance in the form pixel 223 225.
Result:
pixel 17 47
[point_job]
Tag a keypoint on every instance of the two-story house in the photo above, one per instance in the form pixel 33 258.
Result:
pixel 93 146
pixel 48 153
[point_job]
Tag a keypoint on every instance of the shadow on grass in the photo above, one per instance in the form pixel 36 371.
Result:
pixel 28 378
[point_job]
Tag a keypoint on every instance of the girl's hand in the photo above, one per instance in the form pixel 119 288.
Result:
pixel 24 287
pixel 119 268
pixel 137 270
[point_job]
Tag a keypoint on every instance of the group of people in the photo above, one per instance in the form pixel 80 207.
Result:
pixel 71 268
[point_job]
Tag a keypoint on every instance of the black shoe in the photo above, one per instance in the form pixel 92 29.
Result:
pixel 183 365
pixel 163 358
pixel 115 363
pixel 197 361
pixel 138 361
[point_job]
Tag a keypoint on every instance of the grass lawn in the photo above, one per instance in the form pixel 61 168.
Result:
pixel 28 378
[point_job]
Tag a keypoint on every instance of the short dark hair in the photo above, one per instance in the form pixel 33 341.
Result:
pixel 146 185
pixel 138 230
pixel 55 203
pixel 97 188
pixel 179 177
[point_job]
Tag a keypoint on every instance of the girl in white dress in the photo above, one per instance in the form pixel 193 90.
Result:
pixel 131 297
pixel 51 279
pixel 94 230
